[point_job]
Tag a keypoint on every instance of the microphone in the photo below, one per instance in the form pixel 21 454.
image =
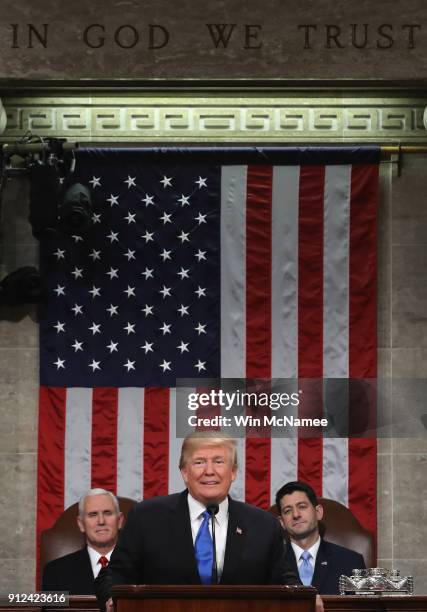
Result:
pixel 213 509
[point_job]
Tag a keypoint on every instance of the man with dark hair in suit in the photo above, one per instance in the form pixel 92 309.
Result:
pixel 167 540
pixel 100 520
pixel 318 562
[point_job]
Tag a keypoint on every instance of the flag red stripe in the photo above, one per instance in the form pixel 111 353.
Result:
pixel 258 319
pixel 363 336
pixel 104 438
pixel 50 466
pixel 310 312
pixel 156 442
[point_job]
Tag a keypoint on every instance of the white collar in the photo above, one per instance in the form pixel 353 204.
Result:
pixel 196 508
pixel 312 550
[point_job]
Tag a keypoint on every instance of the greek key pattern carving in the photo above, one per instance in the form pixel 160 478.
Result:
pixel 269 120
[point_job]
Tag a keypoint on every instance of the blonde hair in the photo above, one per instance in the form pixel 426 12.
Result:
pixel 199 439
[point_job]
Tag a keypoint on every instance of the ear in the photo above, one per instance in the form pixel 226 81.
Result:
pixel 184 474
pixel 121 519
pixel 319 512
pixel 80 524
pixel 233 474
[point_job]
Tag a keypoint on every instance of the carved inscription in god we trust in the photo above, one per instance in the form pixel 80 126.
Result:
pixel 246 36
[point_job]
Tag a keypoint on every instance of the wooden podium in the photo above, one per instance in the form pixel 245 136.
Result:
pixel 219 598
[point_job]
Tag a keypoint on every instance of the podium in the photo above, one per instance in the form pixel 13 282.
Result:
pixel 219 598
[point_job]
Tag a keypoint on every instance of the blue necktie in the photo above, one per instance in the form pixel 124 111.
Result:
pixel 306 569
pixel 203 548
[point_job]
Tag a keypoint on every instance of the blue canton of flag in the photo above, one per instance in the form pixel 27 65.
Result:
pixel 134 301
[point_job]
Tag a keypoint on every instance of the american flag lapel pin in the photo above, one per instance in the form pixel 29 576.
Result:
pixel 239 531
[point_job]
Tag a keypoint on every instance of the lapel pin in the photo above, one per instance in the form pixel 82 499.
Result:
pixel 324 563
pixel 239 531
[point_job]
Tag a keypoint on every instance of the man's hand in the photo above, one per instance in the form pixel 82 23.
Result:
pixel 319 605
pixel 109 606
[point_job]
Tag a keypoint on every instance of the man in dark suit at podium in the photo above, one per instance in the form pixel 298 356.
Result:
pixel 167 540
pixel 319 562
pixel 100 520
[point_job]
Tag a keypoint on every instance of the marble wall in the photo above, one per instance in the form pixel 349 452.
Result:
pixel 402 463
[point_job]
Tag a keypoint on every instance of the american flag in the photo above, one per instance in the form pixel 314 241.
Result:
pixel 201 263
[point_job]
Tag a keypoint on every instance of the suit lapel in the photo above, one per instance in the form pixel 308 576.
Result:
pixel 181 534
pixel 86 571
pixel 236 537
pixel 321 566
pixel 290 556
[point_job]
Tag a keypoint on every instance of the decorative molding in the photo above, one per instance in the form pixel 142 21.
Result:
pixel 204 118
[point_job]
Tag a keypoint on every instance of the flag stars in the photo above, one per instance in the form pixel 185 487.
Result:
pixel 95 182
pixel 130 254
pixel 95 291
pixel 183 236
pixel 60 327
pixel 59 254
pixel 184 200
pixel 200 218
pixel 200 365
pixel 201 182
pixel 200 291
pixel 113 310
pixel 148 236
pixel 95 328
pixel 77 309
pixel 183 273
pixel 166 292
pixel 149 199
pixel 129 365
pixel 95 255
pixel 113 236
pixel 165 365
pixel 148 273
pixel 77 346
pixel 166 328
pixel 112 347
pixel 96 218
pixel 200 255
pixel 166 181
pixel 166 218
pixel 130 218
pixel 183 347
pixel 60 290
pixel 130 181
pixel 112 273
pixel 95 365
pixel 77 273
pixel 183 310
pixel 130 328
pixel 113 200
pixel 148 347
pixel 147 310
pixel 59 363
pixel 130 291
pixel 200 329
pixel 77 238
pixel 165 254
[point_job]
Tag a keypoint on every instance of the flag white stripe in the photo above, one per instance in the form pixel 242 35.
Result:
pixel 284 311
pixel 233 271
pixel 130 440
pixel 175 480
pixel 335 318
pixel 78 444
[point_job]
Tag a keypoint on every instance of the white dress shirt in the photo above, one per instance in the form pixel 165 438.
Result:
pixel 94 558
pixel 312 550
pixel 221 524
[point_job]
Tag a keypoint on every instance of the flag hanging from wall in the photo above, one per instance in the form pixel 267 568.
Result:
pixel 205 263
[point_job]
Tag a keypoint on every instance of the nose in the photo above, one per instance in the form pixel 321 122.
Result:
pixel 209 467
pixel 101 518
pixel 295 513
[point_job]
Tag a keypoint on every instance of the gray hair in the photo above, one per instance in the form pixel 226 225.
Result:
pixel 97 492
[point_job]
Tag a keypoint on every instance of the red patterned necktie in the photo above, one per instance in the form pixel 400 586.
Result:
pixel 103 561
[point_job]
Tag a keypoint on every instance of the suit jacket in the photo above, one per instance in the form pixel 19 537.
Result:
pixel 331 561
pixel 71 573
pixel 156 547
